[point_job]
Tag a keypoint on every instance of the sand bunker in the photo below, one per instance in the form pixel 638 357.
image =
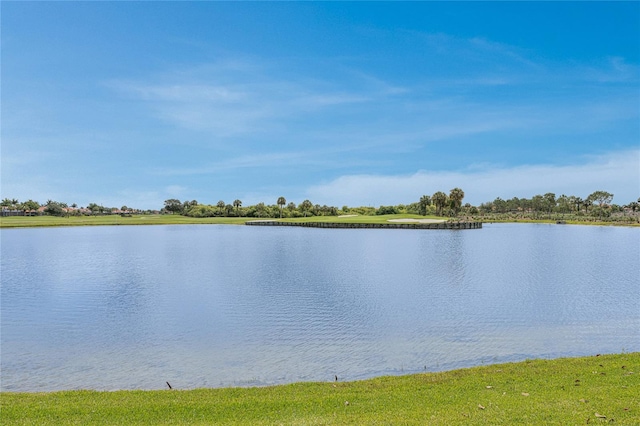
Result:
pixel 418 220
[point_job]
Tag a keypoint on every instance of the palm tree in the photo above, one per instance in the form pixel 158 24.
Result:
pixel 587 203
pixel 550 200
pixel 220 205
pixel 305 206
pixel 425 201
pixel 440 200
pixel 578 202
pixel 281 203
pixel 563 203
pixel 456 195
pixel 237 203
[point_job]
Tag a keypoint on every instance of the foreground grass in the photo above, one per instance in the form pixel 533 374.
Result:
pixel 590 390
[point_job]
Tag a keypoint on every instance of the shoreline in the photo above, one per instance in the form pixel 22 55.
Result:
pixel 543 391
pixel 368 378
pixel 357 380
pixel 396 225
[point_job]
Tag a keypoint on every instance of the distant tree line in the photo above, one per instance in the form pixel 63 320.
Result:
pixel 58 208
pixel 281 209
pixel 598 203
pixel 437 204
pixel 596 206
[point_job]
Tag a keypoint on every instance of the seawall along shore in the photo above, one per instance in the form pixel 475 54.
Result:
pixel 442 225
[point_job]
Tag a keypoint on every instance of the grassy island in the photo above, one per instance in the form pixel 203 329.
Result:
pixel 569 391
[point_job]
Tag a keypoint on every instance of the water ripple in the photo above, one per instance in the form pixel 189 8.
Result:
pixel 131 308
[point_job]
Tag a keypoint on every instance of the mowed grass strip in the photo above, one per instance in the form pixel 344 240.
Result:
pixel 570 391
pixel 40 221
pixel 43 221
pixel 362 219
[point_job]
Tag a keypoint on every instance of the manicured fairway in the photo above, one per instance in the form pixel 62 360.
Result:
pixel 573 391
pixel 38 221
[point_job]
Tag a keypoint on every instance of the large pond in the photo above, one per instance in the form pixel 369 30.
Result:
pixel 208 306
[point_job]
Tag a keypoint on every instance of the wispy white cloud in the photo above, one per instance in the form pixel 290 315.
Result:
pixel 476 55
pixel 175 190
pixel 249 98
pixel 325 159
pixel 231 101
pixel 611 70
pixel 269 160
pixel 486 62
pixel 616 172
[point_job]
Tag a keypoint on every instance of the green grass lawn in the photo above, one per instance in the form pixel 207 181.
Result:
pixel 36 221
pixel 361 219
pixel 571 391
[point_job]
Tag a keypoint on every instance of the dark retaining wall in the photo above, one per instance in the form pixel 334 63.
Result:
pixel 443 225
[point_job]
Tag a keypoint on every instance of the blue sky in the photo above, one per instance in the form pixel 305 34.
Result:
pixel 340 103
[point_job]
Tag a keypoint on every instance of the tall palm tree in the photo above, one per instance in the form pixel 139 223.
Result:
pixel 587 203
pixel 456 195
pixel 220 205
pixel 281 203
pixel 425 201
pixel 237 203
pixel 550 200
pixel 563 203
pixel 440 200
pixel 305 206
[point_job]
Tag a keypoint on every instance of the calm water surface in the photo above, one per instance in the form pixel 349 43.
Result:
pixel 209 306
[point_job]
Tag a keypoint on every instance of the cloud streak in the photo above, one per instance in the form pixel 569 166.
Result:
pixel 237 101
pixel 247 99
pixel 616 172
